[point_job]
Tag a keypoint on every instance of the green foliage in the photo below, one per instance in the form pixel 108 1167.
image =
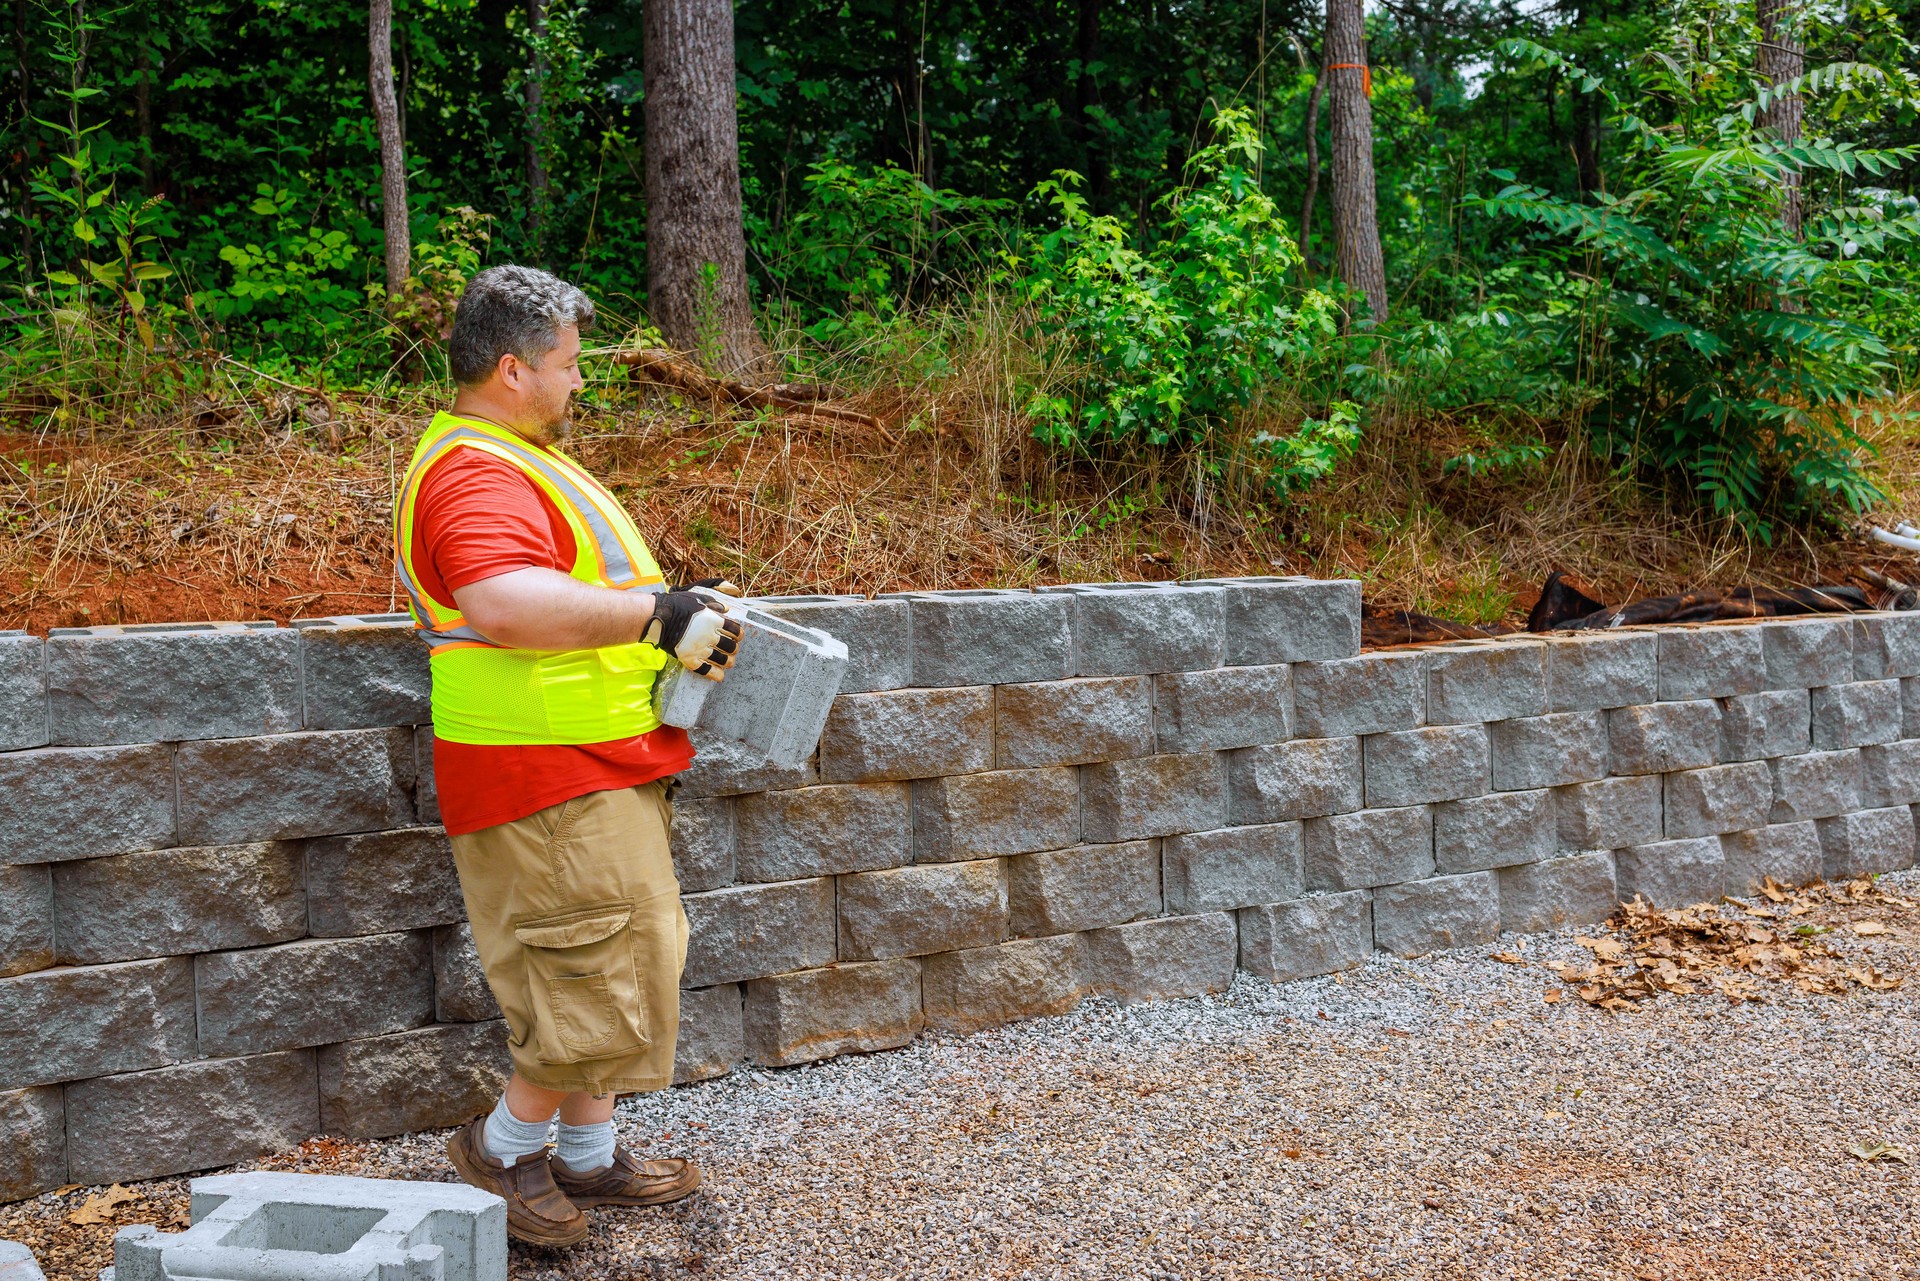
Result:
pixel 1292 463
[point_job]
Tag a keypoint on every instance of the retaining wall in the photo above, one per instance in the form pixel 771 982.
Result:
pixel 228 921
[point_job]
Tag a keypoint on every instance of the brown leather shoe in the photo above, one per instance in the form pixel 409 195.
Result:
pixel 538 1212
pixel 629 1181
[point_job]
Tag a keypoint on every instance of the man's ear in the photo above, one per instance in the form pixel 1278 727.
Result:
pixel 511 371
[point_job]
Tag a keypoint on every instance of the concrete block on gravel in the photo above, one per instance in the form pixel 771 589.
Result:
pixel 1158 960
pixel 1232 867
pixel 1593 671
pixel 1856 714
pixel 1802 653
pixel 1577 889
pixel 375 1086
pixel 1289 620
pixel 24 720
pixel 1496 830
pixel 1418 766
pixel 1125 629
pixel 1307 936
pixel 877 633
pixel 818 831
pixel 723 768
pixel 1072 722
pixel 775 699
pixel 313 992
pixel 1790 853
pixel 932 907
pixel 1469 682
pixel 190 1117
pixel 1867 843
pixel 290 785
pixel 1771 723
pixel 1890 774
pixel 702 841
pixel 907 733
pixel 178 901
pixel 1013 811
pixel 1149 796
pixel 1083 888
pixel 379 882
pixel 1886 646
pixel 1217 710
pixel 748 931
pixel 1370 847
pixel 131 685
pixel 982 987
pixel 460 991
pixel 1711 662
pixel 844 1009
pixel 1672 873
pixel 988 637
pixel 17 1263
pixel 1446 911
pixel 70 1023
pixel 79 802
pixel 26 919
pixel 1663 736
pixel 34 1122
pixel 1306 778
pixel 712 1040
pixel 1370 694
pixel 363 673
pixel 1611 813
pixel 1815 785
pixel 1720 798
pixel 1548 751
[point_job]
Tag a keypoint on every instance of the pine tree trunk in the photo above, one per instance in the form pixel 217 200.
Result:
pixel 1782 58
pixel 393 161
pixel 1356 220
pixel 696 246
pixel 1586 141
pixel 1313 171
pixel 537 129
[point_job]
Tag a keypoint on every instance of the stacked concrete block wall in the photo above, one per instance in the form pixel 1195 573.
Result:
pixel 228 917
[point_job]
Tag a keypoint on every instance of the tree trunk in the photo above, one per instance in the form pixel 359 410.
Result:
pixel 1782 58
pixel 1356 220
pixel 26 114
pixel 393 161
pixel 537 128
pixel 1313 171
pixel 1086 97
pixel 696 246
pixel 1586 141
pixel 143 114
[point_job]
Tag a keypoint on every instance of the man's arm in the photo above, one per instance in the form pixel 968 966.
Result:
pixel 536 608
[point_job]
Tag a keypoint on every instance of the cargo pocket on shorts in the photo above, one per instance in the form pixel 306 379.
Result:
pixel 583 984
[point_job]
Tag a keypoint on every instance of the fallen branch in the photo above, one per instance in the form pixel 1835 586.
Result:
pixel 666 368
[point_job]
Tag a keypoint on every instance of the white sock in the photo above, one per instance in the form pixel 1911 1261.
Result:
pixel 509 1138
pixel 585 1148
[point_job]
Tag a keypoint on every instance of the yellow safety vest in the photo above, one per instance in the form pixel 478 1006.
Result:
pixel 488 693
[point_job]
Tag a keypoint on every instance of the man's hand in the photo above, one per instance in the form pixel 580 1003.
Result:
pixel 695 631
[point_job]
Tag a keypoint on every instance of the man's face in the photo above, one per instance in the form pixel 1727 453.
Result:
pixel 545 390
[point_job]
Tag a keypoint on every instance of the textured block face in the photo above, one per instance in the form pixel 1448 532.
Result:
pixel 1802 653
pixel 1722 798
pixel 818 831
pixel 109 685
pixel 1498 830
pixel 1856 714
pixel 1316 934
pixel 934 907
pixel 1663 736
pixel 1472 681
pixel 1610 814
pixel 173 902
pixel 983 987
pixel 908 733
pixel 1289 620
pixel 1788 852
pixel 1598 670
pixel 426 805
pixel 1910 707
pixel 1305 778
pixel 418 1080
pixel 17 1263
pixel 460 991
pixel 712 1040
pixel 1548 751
pixel 68 1024
pixel 1815 785
pixel 1225 708
pixel 702 840
pixel 989 637
pixel 1889 774
pixel 363 675
pixel 1152 796
pixel 1672 873
pixel 1071 722
pixel 23 692
pixel 1000 812
pixel 1158 960
pixel 1867 843
pixel 816 1014
pixel 291 785
pixel 26 919
pixel 35 1124
pixel 312 992
pixel 1711 662
pixel 1370 694
pixel 59 803
pixel 877 634
pixel 191 1117
pixel 1121 629
pixel 1886 646
pixel 1446 911
pixel 1771 723
pixel 776 697
pixel 753 930
pixel 1085 888
pixel 1233 867
pixel 1444 763
pixel 724 768
pixel 378 882
pixel 1372 847
pixel 1575 890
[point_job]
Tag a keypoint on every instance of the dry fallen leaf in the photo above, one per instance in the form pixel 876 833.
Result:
pixel 1511 958
pixel 1877 1150
pixel 1551 996
pixel 1867 929
pixel 99 1208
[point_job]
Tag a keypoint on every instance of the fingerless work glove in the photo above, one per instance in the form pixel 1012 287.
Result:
pixel 693 630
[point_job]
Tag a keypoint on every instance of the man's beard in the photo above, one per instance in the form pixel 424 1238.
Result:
pixel 554 431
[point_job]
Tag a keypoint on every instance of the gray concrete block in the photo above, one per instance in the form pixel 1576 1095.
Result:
pixel 844 1009
pixel 70 1023
pixel 1659 737
pixel 313 992
pixel 1886 646
pixel 749 931
pixel 1497 830
pixel 1577 889
pixel 126 685
pixel 1289 620
pixel 877 633
pixel 1084 888
pixel 1416 766
pixel 1312 935
pixel 1611 813
pixel 932 907
pixel 172 902
pixel 1867 843
pixel 426 796
pixel 379 882
pixel 1470 682
pixel 1371 847
pixel 908 733
pixel 1672 873
pixel 17 1263
pixel 1802 653
pixel 1072 722
pixel 775 699
pixel 712 1039
pixel 818 831
pixel 423 1079
pixel 1306 778
pixel 989 637
pixel 1593 671
pixel 1789 853
pixel 1720 798
pixel 190 1117
pixel 702 841
pixel 1232 867
pixel 34 1122
pixel 290 785
pixel 24 717
pixel 1815 785
pixel 1446 911
pixel 1160 960
pixel 460 991
pixel 1771 723
pixel 1711 662
pixel 404 778
pixel 1856 714
pixel 78 802
pixel 1910 707
pixel 1548 751
pixel 363 673
pixel 982 987
pixel 1217 710
pixel 1127 629
pixel 1152 796
pixel 1890 774
pixel 724 768
pixel 26 920
pixel 1370 694
pixel 1015 811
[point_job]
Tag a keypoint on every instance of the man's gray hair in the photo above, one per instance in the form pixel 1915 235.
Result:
pixel 511 309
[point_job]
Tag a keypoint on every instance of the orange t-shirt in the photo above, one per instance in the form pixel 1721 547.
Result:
pixel 477 516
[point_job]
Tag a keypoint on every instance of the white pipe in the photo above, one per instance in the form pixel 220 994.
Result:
pixel 1896 540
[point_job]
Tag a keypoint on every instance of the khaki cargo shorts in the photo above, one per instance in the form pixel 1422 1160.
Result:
pixel 576 915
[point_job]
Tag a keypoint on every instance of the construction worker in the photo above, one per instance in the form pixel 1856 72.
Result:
pixel 549 622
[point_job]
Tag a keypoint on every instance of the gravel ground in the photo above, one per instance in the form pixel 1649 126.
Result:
pixel 1435 1118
